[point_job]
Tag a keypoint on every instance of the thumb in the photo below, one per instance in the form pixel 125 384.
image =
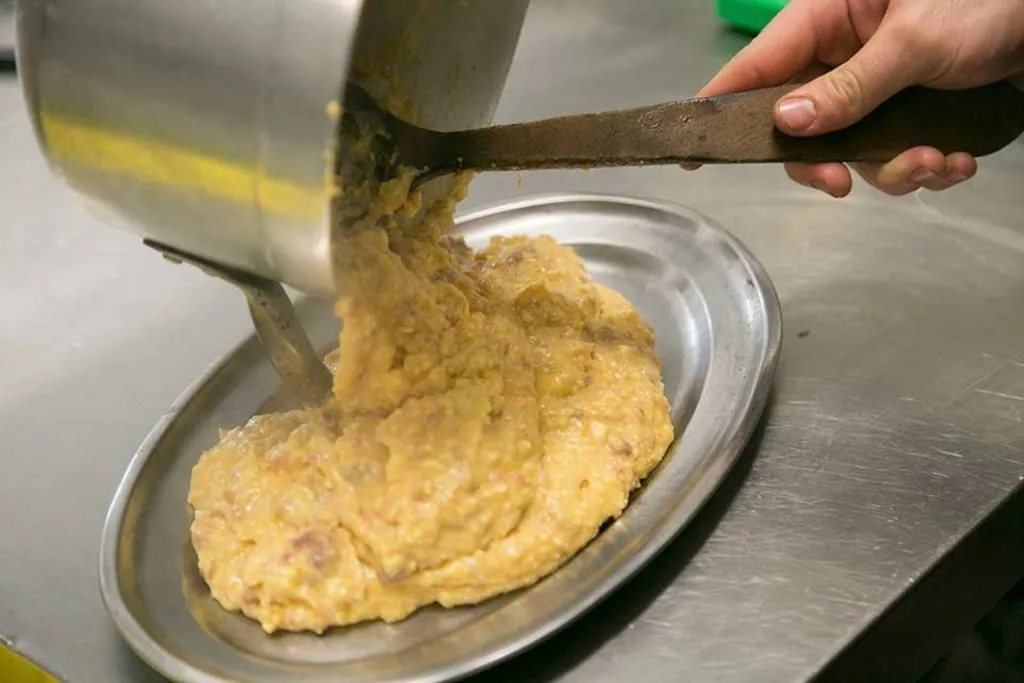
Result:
pixel 849 92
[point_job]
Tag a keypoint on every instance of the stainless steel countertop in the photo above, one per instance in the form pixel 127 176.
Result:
pixel 895 431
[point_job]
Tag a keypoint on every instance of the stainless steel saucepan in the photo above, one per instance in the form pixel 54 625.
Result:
pixel 202 125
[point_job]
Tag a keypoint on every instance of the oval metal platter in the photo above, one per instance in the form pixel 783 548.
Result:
pixel 718 330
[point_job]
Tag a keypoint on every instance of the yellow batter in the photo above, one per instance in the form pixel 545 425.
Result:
pixel 491 410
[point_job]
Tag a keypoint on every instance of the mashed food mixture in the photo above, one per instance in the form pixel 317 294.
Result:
pixel 490 411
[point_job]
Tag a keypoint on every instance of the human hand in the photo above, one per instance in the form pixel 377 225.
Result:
pixel 868 50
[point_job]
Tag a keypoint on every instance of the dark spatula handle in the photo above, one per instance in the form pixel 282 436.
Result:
pixel 739 128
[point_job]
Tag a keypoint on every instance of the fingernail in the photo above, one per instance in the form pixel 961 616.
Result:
pixel 797 113
pixel 922 175
pixel 955 176
pixel 820 187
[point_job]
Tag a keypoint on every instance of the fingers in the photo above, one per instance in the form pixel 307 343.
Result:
pixel 832 179
pixel 778 53
pixel 920 167
pixel 913 169
pixel 806 73
pixel 846 94
pixel 960 166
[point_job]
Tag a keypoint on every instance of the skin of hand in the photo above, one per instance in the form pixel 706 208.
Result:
pixel 861 52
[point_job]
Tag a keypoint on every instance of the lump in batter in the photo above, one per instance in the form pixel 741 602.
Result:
pixel 490 411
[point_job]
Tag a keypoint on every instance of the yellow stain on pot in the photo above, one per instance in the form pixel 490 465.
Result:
pixel 15 668
pixel 159 163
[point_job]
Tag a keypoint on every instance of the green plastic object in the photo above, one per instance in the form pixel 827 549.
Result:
pixel 748 15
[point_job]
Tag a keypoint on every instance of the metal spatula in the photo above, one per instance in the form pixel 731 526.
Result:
pixel 730 129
